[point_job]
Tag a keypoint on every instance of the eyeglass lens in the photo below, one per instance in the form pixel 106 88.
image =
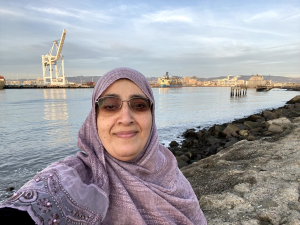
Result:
pixel 110 105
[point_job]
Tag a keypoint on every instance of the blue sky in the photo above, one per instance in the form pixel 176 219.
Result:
pixel 186 38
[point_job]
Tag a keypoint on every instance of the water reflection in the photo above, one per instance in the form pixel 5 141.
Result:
pixel 162 91
pixel 56 113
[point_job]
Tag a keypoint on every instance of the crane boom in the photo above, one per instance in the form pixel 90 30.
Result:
pixel 60 44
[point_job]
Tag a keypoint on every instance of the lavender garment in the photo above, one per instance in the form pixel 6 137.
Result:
pixel 95 188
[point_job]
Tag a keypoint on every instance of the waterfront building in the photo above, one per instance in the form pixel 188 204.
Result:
pixel 29 82
pixel 39 81
pixel 186 80
pixel 256 80
pixel 13 82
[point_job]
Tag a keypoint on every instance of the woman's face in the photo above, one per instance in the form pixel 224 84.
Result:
pixel 125 133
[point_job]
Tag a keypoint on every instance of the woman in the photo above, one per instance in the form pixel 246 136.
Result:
pixel 122 175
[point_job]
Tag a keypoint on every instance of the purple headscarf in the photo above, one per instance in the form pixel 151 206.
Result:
pixel 95 188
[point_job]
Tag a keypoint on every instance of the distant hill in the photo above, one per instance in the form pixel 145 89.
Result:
pixel 274 79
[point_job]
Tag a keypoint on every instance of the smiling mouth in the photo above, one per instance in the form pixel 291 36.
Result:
pixel 126 134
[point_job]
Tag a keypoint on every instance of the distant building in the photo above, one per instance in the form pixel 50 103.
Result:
pixel 13 82
pixel 28 82
pixel 192 82
pixel 256 80
pixel 39 81
pixel 186 80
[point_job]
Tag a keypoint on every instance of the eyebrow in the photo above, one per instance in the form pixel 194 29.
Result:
pixel 131 96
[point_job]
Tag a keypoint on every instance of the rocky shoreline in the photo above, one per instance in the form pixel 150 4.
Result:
pixel 270 124
pixel 249 172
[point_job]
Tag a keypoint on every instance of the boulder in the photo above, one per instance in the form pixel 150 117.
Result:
pixel 251 125
pixel 283 121
pixel 294 100
pixel 181 163
pixel 190 133
pixel 243 132
pixel 268 115
pixel 184 158
pixel 173 144
pixel 254 118
pixel 231 142
pixel 297 105
pixel 275 128
pixel 241 126
pixel 230 129
pixel 289 106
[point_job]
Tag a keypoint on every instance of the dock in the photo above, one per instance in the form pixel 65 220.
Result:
pixel 238 90
pixel 45 86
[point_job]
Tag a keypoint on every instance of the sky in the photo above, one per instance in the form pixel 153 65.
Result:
pixel 186 38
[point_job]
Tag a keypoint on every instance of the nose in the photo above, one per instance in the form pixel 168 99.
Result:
pixel 125 116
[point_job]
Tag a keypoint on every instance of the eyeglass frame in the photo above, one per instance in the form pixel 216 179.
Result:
pixel 150 102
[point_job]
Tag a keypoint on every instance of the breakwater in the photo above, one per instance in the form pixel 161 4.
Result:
pixel 197 145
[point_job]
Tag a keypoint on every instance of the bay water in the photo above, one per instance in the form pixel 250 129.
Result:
pixel 40 126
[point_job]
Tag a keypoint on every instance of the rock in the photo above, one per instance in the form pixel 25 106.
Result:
pixel 296 120
pixel 244 132
pixel 297 105
pixel 184 158
pixel 187 144
pixel 294 100
pixel 231 142
pixel 236 186
pixel 257 130
pixel 173 144
pixel 289 106
pixel 251 138
pixel 241 126
pixel 254 118
pixel 230 129
pixel 181 163
pixel 268 133
pixel 268 115
pixel 283 121
pixel 274 128
pixel 213 141
pixel 178 153
pixel 190 133
pixel 251 125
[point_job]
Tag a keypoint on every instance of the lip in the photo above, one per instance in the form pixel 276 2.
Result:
pixel 126 134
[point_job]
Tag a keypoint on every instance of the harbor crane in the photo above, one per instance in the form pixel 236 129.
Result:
pixel 50 60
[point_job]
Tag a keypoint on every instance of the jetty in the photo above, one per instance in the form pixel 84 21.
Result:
pixel 238 90
pixel 264 88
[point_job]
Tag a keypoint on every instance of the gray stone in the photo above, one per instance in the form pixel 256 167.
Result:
pixel 268 115
pixel 181 163
pixel 173 144
pixel 283 121
pixel 275 128
pixel 244 132
pixel 231 142
pixel 254 118
pixel 253 125
pixel 230 129
pixel 297 105
pixel 250 183
pixel 294 100
pixel 183 158
pixel 289 106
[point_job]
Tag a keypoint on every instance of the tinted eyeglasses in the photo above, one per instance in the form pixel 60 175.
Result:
pixel 109 105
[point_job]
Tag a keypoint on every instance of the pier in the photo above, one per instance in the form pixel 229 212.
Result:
pixel 45 86
pixel 238 90
pixel 264 88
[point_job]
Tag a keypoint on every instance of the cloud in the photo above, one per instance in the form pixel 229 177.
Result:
pixel 167 16
pixel 9 12
pixel 83 15
pixel 269 15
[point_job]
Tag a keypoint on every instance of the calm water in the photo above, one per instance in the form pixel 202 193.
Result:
pixel 38 127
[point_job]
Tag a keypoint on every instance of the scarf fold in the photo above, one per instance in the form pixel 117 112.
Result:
pixel 95 188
